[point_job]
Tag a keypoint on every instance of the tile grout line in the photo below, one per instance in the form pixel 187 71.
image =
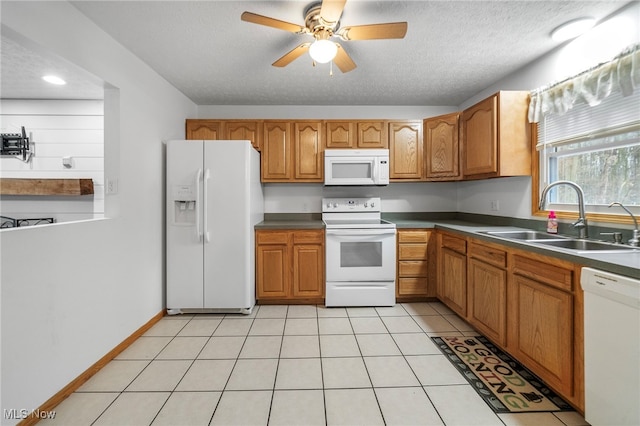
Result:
pixel 190 365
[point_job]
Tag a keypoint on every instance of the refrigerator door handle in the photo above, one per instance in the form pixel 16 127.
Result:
pixel 198 177
pixel 207 174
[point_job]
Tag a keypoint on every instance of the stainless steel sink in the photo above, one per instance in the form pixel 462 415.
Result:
pixel 563 242
pixel 585 245
pixel 525 235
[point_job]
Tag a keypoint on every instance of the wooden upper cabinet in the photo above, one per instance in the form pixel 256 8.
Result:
pixel 197 129
pixel 479 127
pixel 340 134
pixel 244 130
pixel 442 147
pixel 496 137
pixel 308 147
pixel 276 152
pixel 372 134
pixel 405 150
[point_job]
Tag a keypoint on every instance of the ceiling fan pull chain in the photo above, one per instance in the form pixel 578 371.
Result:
pixel 331 69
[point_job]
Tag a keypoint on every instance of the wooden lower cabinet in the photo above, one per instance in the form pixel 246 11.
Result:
pixel 452 273
pixel 413 268
pixel 487 291
pixel 541 330
pixel 290 265
pixel 272 264
pixel 529 304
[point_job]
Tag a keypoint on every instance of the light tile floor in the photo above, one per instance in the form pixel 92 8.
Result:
pixel 291 365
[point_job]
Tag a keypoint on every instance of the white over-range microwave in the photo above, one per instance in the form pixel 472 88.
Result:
pixel 356 167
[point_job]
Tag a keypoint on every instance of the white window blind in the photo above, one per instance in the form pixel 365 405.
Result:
pixel 615 115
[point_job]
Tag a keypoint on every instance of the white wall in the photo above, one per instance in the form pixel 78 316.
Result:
pixel 56 129
pixel 71 292
pixel 602 43
pixel 396 197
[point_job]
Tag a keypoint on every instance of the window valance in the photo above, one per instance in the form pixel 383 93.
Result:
pixel 620 75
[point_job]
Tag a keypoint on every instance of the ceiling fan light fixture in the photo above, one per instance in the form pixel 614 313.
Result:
pixel 572 29
pixel 323 51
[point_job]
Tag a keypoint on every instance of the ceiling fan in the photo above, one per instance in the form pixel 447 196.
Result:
pixel 322 21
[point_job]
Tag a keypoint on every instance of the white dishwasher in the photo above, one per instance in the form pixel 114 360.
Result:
pixel 611 348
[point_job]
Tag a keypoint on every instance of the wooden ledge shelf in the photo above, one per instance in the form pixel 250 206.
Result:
pixel 67 187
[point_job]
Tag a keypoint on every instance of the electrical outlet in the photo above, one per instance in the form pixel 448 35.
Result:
pixel 495 205
pixel 111 186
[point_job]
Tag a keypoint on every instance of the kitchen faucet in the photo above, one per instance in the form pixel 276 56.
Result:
pixel 635 241
pixel 581 223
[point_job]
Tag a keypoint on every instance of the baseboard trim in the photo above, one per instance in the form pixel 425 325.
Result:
pixel 66 391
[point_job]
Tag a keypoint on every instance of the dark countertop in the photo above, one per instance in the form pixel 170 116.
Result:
pixel 291 221
pixel 618 263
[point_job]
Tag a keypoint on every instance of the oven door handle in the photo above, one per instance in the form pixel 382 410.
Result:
pixel 359 232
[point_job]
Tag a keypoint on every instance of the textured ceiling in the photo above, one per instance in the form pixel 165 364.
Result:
pixel 452 50
pixel 23 64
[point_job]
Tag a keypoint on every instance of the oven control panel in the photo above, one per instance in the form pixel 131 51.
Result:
pixel 371 204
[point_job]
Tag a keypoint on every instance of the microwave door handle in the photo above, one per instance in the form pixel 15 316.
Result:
pixel 376 165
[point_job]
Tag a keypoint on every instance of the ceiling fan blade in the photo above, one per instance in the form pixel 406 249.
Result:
pixel 270 22
pixel 374 31
pixel 343 60
pixel 292 55
pixel 331 10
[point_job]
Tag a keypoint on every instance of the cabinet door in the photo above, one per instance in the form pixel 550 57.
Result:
pixel 203 129
pixel 308 271
pixel 244 130
pixel 442 148
pixel 480 138
pixel 308 149
pixel 272 271
pixel 487 299
pixel 276 152
pixel 405 150
pixel 340 134
pixel 372 134
pixel 453 281
pixel 543 324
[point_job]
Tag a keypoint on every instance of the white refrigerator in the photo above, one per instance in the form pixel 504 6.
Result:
pixel 214 200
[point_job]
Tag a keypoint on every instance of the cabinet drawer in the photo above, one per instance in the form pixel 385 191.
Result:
pixel 412 268
pixel 413 236
pixel 454 243
pixel 268 237
pixel 412 251
pixel 308 237
pixel 490 255
pixel 410 286
pixel 555 276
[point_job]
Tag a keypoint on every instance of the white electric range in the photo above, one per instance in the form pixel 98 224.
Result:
pixel 360 253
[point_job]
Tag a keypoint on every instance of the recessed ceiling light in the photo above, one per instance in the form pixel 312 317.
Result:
pixel 572 29
pixel 54 80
